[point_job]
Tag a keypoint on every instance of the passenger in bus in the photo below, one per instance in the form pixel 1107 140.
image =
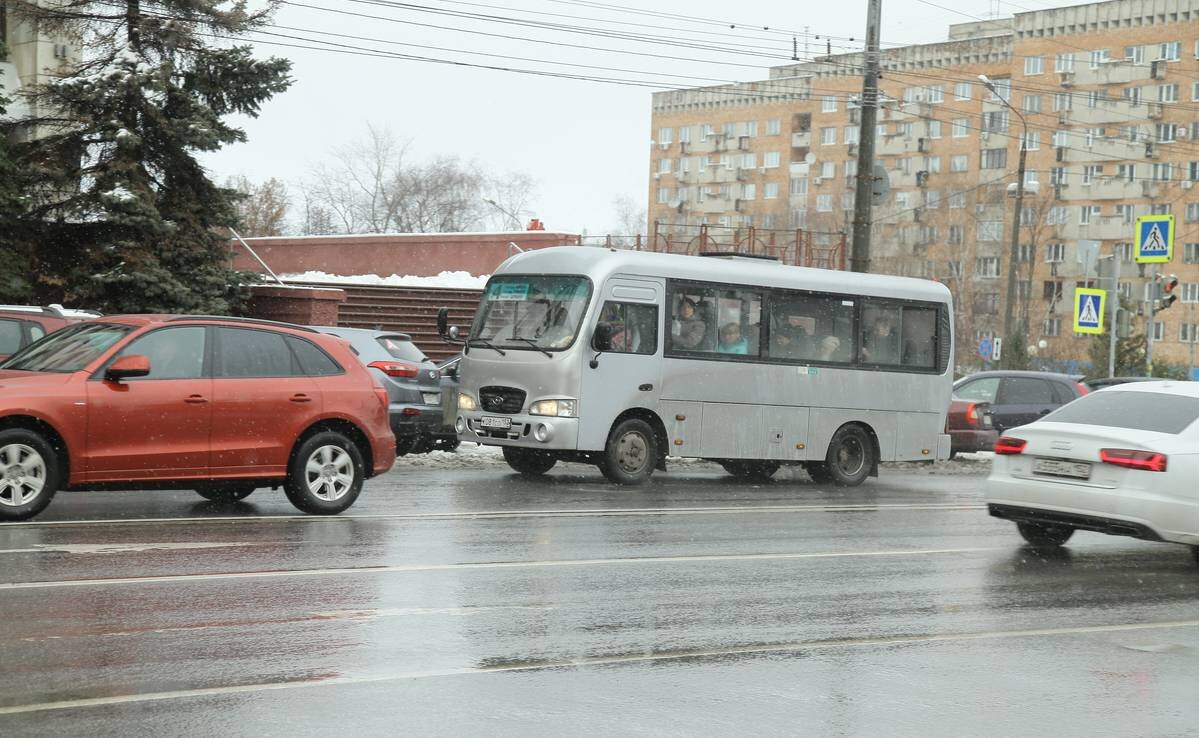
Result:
pixel 731 341
pixel 688 328
pixel 880 345
pixel 829 349
pixel 791 341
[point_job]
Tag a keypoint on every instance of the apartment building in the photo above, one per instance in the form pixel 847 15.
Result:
pixel 30 55
pixel 1108 94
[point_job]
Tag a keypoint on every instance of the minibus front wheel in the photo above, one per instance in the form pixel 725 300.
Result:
pixel 529 462
pixel 631 453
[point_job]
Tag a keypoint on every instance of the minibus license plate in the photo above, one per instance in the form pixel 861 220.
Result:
pixel 497 423
pixel 1056 468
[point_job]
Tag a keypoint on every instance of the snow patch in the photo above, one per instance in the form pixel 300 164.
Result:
pixel 120 194
pixel 446 280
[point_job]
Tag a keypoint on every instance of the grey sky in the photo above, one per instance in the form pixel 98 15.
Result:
pixel 584 142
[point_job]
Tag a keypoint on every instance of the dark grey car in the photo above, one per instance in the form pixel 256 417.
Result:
pixel 413 384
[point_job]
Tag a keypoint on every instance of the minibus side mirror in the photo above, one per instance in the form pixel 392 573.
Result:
pixel 601 340
pixel 453 333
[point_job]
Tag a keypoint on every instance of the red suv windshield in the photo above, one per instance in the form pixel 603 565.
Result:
pixel 69 349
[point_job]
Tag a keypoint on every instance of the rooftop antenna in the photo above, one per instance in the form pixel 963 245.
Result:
pixel 794 49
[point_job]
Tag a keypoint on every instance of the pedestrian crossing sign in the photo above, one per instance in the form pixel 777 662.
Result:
pixel 1088 310
pixel 1155 239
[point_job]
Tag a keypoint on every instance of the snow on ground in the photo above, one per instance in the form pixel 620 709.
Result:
pixel 471 455
pixel 445 280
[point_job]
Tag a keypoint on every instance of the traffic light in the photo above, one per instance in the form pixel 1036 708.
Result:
pixel 1167 286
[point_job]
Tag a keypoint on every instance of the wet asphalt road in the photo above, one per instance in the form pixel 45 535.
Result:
pixel 469 602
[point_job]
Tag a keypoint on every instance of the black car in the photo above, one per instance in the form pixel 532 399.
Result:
pixel 1018 398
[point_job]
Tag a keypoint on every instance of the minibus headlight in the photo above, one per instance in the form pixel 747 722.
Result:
pixel 466 402
pixel 555 408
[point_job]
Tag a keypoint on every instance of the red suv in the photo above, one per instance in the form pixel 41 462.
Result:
pixel 21 325
pixel 219 405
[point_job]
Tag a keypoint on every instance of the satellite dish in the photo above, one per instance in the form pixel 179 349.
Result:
pixel 809 158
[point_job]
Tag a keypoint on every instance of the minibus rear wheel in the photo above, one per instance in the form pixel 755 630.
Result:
pixel 631 453
pixel 529 462
pixel 849 459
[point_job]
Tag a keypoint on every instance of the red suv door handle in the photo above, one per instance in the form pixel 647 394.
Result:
pixel 301 398
pixel 196 400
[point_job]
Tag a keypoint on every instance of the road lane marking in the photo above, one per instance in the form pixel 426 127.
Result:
pixel 499 514
pixel 677 655
pixel 111 548
pixel 411 568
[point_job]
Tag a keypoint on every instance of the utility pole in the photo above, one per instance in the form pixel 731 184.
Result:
pixel 1150 321
pixel 1009 322
pixel 1114 327
pixel 864 190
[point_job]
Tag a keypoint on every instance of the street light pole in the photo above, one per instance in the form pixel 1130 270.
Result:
pixel 505 211
pixel 859 258
pixel 1014 250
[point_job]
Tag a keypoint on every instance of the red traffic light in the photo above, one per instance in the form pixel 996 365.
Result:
pixel 1169 283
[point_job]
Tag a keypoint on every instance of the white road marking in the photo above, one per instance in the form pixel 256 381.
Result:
pixel 777 648
pixel 409 568
pixel 111 548
pixel 489 514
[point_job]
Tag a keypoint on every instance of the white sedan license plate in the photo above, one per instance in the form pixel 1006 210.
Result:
pixel 1056 468
pixel 497 423
pixel 432 398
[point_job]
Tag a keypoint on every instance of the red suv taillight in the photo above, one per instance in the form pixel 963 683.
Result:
pixel 1082 389
pixel 1006 446
pixel 1143 460
pixel 972 415
pixel 396 368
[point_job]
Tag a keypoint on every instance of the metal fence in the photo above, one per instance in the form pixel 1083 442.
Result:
pixel 796 247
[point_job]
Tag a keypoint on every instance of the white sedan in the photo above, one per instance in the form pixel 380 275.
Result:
pixel 1122 461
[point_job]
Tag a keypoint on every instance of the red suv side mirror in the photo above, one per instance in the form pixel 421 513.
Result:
pixel 127 367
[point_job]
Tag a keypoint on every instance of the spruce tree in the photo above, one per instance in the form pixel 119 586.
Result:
pixel 15 286
pixel 129 219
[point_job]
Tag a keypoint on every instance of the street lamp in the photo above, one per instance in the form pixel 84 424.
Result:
pixel 513 216
pixel 1014 255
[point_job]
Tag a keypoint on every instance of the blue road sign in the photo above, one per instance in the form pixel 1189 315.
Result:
pixel 1088 310
pixel 984 349
pixel 1155 239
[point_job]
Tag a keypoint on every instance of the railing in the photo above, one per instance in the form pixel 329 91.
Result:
pixel 795 247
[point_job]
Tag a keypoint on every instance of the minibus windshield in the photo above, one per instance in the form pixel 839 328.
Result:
pixel 532 312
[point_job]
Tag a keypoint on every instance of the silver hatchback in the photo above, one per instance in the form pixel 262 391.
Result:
pixel 413 385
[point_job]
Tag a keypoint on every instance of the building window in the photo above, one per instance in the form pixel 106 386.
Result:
pixel 1134 54
pixel 1162 171
pixel 1033 142
pixel 957 200
pixel 1190 292
pixel 1090 172
pixel 851 168
pixel 961 90
pixel 664 166
pixel 1033 65
pixel 955 235
pixel 1025 253
pixel 847 201
pixel 824 203
pixel 1160 209
pixel 1124 213
pixel 1126 172
pixel 771 159
pixel 902 200
pixel 828 169
pixel 934 129
pixel 1124 252
pixel 1166 132
pixel 1032 103
pixel 932 164
pixel 799 186
pixel 1062 101
pixel 1187 332
pixel 828 136
pixel 987 267
pixel 1190 253
pixel 1055 253
pixel 1159 330
pixel 1167 93
pixel 828 104
pixel 1192 215
pixel 770 190
pixel 1170 51
pixel 749 128
pixel 961 127
pixel 1051 327
pixel 936 93
pixel 995 121
pixel 932 199
pixel 773 127
pixel 904 164
pixel 1063 62
pixel 852 134
pixel 665 136
pixel 749 192
pixel 749 161
pixel 994 159
pixel 1052 290
pixel 955 269
pixel 959 163
pixel 663 195
pixel 1132 95
pixel 990 230
pixel 684 134
pixel 730 130
pixel 1087 212
pixel 1100 57
pixel 1058 215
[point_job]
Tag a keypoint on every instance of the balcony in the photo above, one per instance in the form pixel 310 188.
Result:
pixel 1109 111
pixel 895 145
pixel 1116 72
pixel 801 140
pixel 715 175
pixel 1109 188
pixel 900 178
pixel 1103 228
pixel 1103 149
pixel 714 205
pixel 710 144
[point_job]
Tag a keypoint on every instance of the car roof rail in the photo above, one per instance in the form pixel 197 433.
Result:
pixel 247 321
pixel 43 310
